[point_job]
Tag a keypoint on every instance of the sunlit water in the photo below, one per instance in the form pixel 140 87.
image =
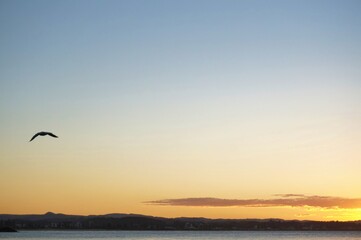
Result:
pixel 181 235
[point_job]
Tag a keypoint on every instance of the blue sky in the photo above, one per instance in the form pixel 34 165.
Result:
pixel 125 45
pixel 61 58
pixel 174 83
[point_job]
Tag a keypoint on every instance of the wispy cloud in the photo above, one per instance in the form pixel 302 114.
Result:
pixel 283 200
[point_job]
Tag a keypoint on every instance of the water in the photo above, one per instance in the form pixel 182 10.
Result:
pixel 182 235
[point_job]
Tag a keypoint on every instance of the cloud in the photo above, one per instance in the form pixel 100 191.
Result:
pixel 289 195
pixel 283 200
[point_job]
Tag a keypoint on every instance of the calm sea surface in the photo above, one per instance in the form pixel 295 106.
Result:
pixel 181 235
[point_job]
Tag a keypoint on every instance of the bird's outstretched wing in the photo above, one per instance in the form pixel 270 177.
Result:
pixel 53 135
pixel 34 137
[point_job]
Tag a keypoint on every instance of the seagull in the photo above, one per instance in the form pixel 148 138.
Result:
pixel 43 134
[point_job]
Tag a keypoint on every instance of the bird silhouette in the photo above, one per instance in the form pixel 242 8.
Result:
pixel 43 134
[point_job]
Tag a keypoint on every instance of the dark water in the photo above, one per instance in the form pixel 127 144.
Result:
pixel 181 235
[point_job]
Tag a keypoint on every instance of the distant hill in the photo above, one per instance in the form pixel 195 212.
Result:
pixel 122 221
pixel 49 216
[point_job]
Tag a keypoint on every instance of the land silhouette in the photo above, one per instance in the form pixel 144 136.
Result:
pixel 120 221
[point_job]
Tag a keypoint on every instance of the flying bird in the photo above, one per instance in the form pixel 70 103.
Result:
pixel 43 134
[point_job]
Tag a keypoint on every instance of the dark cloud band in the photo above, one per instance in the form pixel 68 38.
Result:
pixel 284 200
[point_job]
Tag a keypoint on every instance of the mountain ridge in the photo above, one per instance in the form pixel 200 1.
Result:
pixel 131 221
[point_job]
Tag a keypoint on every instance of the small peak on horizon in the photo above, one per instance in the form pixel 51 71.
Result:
pixel 49 213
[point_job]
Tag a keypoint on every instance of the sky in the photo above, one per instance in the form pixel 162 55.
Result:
pixel 218 109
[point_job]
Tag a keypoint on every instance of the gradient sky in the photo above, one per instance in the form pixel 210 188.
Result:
pixel 220 109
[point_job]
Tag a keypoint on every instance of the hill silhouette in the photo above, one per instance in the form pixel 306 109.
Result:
pixel 121 221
